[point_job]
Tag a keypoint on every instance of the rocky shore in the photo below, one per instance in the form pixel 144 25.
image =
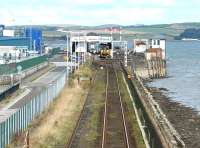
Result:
pixel 185 119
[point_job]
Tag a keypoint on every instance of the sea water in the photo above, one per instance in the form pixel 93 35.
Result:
pixel 183 68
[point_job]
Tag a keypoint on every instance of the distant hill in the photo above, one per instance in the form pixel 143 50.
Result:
pixel 168 31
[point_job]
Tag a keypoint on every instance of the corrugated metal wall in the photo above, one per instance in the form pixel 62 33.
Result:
pixel 36 36
pixel 15 41
pixel 19 119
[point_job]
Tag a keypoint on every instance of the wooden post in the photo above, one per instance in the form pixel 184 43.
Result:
pixel 148 68
pixel 153 68
pixel 28 144
pixel 26 140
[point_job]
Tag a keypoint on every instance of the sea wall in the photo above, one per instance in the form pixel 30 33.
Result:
pixel 161 133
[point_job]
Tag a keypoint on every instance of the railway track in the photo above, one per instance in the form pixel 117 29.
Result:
pixel 115 131
pixel 76 135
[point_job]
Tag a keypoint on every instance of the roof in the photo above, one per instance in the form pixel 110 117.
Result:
pixel 140 43
pixel 12 38
pixel 92 34
pixel 157 39
pixel 154 50
pixel 14 41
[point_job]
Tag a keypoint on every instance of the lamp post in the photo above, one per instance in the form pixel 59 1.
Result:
pixel 67 57
pixel 125 54
pixel 69 46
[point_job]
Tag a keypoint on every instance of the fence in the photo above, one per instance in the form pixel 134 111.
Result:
pixel 17 118
pixel 8 80
pixel 32 62
pixel 6 69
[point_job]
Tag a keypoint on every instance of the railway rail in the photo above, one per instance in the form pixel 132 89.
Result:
pixel 75 133
pixel 115 131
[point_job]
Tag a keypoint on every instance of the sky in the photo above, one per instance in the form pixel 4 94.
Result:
pixel 98 12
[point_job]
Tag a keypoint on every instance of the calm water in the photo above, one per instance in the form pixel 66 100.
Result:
pixel 183 65
pixel 56 43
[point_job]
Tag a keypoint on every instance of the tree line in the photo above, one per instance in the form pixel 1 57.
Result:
pixel 191 33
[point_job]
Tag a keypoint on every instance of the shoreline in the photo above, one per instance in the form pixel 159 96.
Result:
pixel 185 120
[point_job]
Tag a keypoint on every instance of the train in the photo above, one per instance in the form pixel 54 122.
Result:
pixel 105 51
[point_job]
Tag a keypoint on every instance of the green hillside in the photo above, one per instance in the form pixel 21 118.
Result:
pixel 168 31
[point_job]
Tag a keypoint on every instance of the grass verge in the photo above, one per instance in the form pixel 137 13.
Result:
pixel 92 130
pixel 54 127
pixel 130 114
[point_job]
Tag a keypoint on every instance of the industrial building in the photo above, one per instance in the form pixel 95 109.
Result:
pixel 35 37
pixel 8 33
pixel 15 41
pixel 31 38
pixel 13 48
pixel 1 30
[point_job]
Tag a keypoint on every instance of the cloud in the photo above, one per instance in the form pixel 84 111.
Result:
pixel 154 2
pixel 89 2
pixel 126 16
pixel 95 12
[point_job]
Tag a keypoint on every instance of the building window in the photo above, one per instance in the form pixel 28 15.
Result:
pixel 10 56
pixel 158 42
pixel 154 42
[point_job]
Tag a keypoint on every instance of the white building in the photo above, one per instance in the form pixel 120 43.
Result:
pixel 158 45
pixel 156 49
pixel 47 49
pixel 152 48
pixel 9 33
pixel 140 45
pixel 11 54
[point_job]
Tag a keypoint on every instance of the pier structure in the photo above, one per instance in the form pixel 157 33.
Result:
pixel 151 58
